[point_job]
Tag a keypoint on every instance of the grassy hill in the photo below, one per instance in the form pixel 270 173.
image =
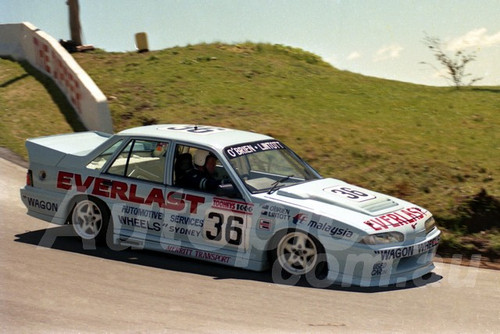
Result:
pixel 438 147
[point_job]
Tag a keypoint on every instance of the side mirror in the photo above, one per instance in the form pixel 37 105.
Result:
pixel 228 190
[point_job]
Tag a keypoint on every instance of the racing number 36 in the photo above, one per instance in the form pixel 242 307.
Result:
pixel 232 230
pixel 352 194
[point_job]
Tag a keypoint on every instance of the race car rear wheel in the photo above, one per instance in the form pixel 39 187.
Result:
pixel 90 219
pixel 300 254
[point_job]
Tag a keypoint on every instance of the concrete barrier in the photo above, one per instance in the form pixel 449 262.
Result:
pixel 24 41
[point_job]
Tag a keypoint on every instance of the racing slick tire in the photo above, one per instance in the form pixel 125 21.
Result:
pixel 296 255
pixel 90 219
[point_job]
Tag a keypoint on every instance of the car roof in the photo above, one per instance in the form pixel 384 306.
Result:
pixel 216 137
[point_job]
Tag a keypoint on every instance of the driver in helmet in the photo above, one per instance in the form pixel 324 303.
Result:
pixel 202 175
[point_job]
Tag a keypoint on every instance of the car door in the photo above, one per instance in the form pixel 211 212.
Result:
pixel 137 193
pixel 205 218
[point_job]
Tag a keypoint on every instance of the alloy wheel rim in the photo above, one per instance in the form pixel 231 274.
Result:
pixel 87 219
pixel 297 253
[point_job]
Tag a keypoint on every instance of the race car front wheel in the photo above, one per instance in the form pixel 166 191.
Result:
pixel 90 219
pixel 300 254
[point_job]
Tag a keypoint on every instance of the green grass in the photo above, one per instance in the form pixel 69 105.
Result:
pixel 435 146
pixel 31 105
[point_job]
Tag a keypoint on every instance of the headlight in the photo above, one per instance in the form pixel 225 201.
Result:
pixel 383 238
pixel 429 225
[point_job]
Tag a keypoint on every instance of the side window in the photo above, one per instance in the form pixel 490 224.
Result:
pixel 198 169
pixel 141 159
pixel 102 158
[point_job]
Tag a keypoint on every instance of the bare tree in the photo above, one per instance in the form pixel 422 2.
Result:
pixel 74 21
pixel 454 64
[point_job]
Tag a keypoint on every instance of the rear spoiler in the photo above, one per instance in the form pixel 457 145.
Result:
pixel 51 149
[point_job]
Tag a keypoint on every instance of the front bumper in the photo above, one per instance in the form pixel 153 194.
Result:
pixel 383 266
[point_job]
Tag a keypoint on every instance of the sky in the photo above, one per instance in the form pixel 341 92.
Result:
pixel 380 38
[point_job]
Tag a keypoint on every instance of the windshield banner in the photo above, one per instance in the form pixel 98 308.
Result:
pixel 250 148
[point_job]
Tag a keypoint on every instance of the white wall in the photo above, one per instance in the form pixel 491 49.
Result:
pixel 24 41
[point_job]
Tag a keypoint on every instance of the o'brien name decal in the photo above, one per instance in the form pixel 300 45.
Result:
pixel 396 219
pixel 241 150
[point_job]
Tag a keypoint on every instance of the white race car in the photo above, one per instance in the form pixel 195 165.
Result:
pixel 231 197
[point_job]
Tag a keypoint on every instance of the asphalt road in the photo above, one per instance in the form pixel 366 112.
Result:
pixel 50 282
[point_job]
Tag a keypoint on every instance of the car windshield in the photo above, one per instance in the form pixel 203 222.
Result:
pixel 266 166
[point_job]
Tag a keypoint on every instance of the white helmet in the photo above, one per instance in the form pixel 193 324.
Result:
pixel 200 157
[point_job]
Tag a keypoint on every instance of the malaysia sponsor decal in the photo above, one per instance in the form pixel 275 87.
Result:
pixel 408 216
pixel 334 231
pixel 234 206
pixel 402 252
pixel 299 218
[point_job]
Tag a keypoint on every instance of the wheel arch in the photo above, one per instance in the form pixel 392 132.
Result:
pixel 274 240
pixel 77 198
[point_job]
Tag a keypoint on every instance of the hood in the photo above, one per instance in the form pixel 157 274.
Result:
pixel 341 194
